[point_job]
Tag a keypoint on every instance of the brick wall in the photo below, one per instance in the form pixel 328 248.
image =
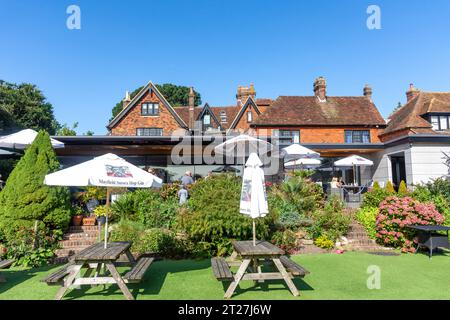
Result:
pixel 133 119
pixel 243 125
pixel 321 135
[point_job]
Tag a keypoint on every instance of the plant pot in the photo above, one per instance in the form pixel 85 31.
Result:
pixel 77 220
pixel 101 220
pixel 89 221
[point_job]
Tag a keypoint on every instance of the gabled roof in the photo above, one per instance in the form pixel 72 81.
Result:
pixel 152 88
pixel 207 108
pixel 307 110
pixel 230 112
pixel 249 102
pixel 410 115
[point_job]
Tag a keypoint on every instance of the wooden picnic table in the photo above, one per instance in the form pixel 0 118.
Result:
pixel 250 266
pixel 92 259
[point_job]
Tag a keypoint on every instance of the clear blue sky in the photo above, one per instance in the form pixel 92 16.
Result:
pixel 216 45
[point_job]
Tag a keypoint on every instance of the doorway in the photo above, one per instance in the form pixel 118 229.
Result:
pixel 398 170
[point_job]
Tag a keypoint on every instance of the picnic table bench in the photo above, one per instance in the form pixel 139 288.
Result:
pixel 93 258
pixel 3 265
pixel 250 267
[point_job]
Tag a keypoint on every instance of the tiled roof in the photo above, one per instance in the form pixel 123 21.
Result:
pixel 264 102
pixel 410 115
pixel 307 110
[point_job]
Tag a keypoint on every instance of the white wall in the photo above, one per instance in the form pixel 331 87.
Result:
pixel 428 162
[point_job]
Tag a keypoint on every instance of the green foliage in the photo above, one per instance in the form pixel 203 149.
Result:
pixel 26 199
pixel 324 242
pixel 175 95
pixel 158 241
pixel 376 186
pixel 373 198
pixel 67 131
pixel 212 218
pixel 6 166
pixel 286 239
pixel 437 192
pixel 127 230
pixel 390 188
pixel 24 106
pixel 403 189
pixel 367 217
pixel 331 221
pixel 103 211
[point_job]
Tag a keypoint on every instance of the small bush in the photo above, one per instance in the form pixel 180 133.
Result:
pixel 286 240
pixel 396 213
pixel 403 189
pixel 434 192
pixel 374 197
pixel 127 230
pixel 390 188
pixel 368 218
pixel 324 242
pixel 156 240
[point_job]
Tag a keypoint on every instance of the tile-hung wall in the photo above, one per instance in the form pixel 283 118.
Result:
pixel 428 162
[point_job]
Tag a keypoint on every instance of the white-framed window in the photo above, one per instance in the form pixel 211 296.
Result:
pixel 440 123
pixel 357 136
pixel 207 119
pixel 287 136
pixel 223 117
pixel 435 122
pixel 150 109
pixel 249 116
pixel 149 132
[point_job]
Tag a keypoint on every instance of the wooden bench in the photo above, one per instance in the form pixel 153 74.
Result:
pixel 57 277
pixel 5 263
pixel 221 269
pixel 137 273
pixel 294 268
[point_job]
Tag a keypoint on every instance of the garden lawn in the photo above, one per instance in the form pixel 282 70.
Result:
pixel 332 276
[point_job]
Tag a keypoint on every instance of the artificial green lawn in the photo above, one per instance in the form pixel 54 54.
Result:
pixel 332 276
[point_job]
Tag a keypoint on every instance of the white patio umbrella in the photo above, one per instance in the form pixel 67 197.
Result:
pixel 353 161
pixel 242 146
pixel 22 139
pixel 296 151
pixel 307 162
pixel 253 194
pixel 108 171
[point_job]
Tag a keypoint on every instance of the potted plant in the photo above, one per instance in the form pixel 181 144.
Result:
pixel 89 221
pixel 77 217
pixel 101 212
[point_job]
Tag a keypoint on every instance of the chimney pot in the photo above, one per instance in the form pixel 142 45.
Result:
pixel 368 92
pixel 243 93
pixel 126 101
pixel 191 108
pixel 412 92
pixel 320 89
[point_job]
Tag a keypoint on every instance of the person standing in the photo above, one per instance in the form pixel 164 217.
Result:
pixel 183 195
pixel 187 180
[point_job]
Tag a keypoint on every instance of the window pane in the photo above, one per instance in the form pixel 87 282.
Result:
pixel 348 136
pixel 249 116
pixel 366 137
pixel 444 124
pixel 435 122
pixel 144 109
pixel 206 119
pixel 155 109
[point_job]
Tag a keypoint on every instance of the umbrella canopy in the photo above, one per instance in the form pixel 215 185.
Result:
pixel 253 194
pixel 303 162
pixel 296 151
pixel 225 169
pixel 243 145
pixel 22 139
pixel 353 160
pixel 108 170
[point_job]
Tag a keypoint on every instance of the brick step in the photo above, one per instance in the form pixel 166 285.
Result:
pixel 75 236
pixel 74 229
pixel 353 234
pixel 361 242
pixel 76 243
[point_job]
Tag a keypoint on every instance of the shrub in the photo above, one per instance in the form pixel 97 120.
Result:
pixel 286 240
pixel 376 186
pixel 156 240
pixel 374 197
pixel 396 213
pixel 368 218
pixel 324 242
pixel 403 189
pixel 26 199
pixel 390 188
pixel 331 221
pixel 212 219
pixel 127 230
pixel 435 192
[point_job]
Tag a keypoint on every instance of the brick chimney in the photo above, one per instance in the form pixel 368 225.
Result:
pixel 412 93
pixel 243 93
pixel 320 89
pixel 368 92
pixel 191 108
pixel 126 101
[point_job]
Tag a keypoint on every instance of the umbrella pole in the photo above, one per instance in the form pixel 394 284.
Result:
pixel 354 175
pixel 108 193
pixel 254 233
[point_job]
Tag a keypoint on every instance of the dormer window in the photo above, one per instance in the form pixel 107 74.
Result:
pixel 249 117
pixel 223 117
pixel 150 109
pixel 206 119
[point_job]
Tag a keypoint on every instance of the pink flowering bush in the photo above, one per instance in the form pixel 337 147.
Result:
pixel 397 213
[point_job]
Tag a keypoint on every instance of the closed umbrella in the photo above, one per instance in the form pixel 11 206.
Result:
pixel 108 171
pixel 253 194
pixel 353 161
pixel 22 139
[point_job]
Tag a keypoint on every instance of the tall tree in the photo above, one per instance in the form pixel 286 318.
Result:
pixel 24 106
pixel 175 95
pixel 66 131
pixel 26 199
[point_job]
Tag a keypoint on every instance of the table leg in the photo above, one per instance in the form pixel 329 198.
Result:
pixel 130 257
pixel 286 277
pixel 115 274
pixel 237 278
pixel 69 280
pixel 431 246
